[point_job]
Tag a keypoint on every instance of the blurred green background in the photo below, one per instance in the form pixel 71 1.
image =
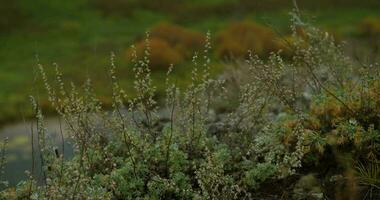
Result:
pixel 79 35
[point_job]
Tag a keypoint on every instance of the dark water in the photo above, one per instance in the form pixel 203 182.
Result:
pixel 19 148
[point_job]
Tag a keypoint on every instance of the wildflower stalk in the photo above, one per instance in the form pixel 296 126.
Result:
pixel 117 96
pixel 3 160
pixel 171 99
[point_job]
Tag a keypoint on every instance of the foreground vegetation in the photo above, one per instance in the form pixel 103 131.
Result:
pixel 304 127
pixel 79 34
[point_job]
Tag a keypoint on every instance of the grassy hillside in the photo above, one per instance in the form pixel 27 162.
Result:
pixel 79 35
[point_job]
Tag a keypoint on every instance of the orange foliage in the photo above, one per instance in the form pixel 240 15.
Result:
pixel 240 37
pixel 370 27
pixel 285 44
pixel 170 44
pixel 182 39
pixel 162 54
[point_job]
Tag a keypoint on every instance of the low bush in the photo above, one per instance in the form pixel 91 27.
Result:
pixel 183 40
pixel 369 30
pixel 169 44
pixel 161 55
pixel 241 37
pixel 370 27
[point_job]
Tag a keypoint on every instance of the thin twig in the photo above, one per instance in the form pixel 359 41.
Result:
pixel 63 147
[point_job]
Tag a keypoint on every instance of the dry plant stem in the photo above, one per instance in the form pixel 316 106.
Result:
pixel 135 121
pixel 127 144
pixel 3 157
pixel 149 123
pixel 33 159
pixel 167 157
pixel 320 84
pixel 39 147
pixel 192 122
pixel 243 115
pixel 76 185
pixel 32 167
pixel 81 141
pixel 127 140
pixel 296 7
pixel 62 156
pixel 293 49
pixel 260 111
pixel 327 90
pixel 81 157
